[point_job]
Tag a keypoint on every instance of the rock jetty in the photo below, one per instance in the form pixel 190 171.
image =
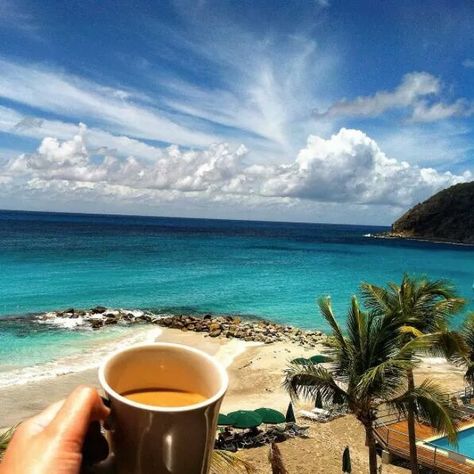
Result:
pixel 255 330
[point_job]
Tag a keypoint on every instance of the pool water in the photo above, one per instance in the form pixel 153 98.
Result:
pixel 465 443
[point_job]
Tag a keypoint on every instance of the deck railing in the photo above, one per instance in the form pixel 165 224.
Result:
pixel 397 443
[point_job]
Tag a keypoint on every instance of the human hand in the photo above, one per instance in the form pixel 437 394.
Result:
pixel 52 442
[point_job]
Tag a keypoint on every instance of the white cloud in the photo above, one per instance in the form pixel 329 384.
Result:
pixel 417 91
pixel 424 112
pixel 469 63
pixel 349 167
pixel 15 123
pixel 413 86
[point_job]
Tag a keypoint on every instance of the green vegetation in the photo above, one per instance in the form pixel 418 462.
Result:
pixel 423 307
pixel 371 366
pixel 225 461
pixel 467 359
pixel 445 216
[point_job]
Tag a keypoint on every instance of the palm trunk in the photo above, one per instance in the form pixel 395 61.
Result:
pixel 370 440
pixel 411 424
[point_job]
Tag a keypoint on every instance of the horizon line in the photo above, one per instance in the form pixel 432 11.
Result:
pixel 112 214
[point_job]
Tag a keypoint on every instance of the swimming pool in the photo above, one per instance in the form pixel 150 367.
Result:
pixel 465 443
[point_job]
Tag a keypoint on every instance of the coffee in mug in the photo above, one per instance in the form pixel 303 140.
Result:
pixel 165 401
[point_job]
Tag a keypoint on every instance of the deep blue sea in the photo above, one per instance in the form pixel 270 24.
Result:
pixel 265 269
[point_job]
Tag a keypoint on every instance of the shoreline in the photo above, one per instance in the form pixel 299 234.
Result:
pixel 216 326
pixel 22 400
pixel 104 330
pixel 396 236
pixel 255 380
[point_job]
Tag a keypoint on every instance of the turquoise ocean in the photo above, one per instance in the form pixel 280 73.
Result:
pixel 270 270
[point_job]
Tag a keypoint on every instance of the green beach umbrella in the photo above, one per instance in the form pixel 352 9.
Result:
pixel 320 359
pixel 346 461
pixel 270 416
pixel 319 400
pixel 245 419
pixel 224 420
pixel 300 360
pixel 290 414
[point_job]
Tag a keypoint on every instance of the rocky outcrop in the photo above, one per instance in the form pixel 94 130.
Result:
pixel 213 326
pixel 447 216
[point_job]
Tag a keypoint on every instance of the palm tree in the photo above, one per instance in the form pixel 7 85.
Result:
pixel 467 333
pixel 276 461
pixel 369 366
pixel 424 308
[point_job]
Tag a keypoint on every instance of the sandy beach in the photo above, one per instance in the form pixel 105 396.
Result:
pixel 255 372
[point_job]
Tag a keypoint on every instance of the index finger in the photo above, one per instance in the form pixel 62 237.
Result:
pixel 83 406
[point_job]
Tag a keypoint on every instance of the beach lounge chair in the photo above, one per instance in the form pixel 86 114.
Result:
pixel 313 416
pixel 321 411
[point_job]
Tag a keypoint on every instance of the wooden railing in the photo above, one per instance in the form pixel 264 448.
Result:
pixel 444 460
pixel 396 442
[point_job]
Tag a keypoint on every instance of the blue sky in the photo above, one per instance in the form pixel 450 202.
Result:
pixel 304 110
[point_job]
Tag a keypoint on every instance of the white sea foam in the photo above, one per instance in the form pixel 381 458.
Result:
pixel 67 323
pixel 89 358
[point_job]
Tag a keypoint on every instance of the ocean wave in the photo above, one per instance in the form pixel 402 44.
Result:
pixel 87 359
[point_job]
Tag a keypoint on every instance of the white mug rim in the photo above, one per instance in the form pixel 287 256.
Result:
pixel 224 378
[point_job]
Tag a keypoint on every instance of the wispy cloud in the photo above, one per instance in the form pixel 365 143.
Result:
pixel 412 87
pixel 70 96
pixel 14 16
pixel 469 63
pixel 418 92
pixel 425 112
pixel 322 3
pixel 442 145
pixel 263 100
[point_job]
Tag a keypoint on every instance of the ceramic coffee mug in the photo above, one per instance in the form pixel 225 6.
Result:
pixel 149 439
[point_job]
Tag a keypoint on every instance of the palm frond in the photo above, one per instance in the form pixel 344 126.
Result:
pixel 376 298
pixel 357 326
pixel 384 380
pixel 411 330
pixel 306 380
pixel 326 310
pixel 449 344
pixel 5 438
pixel 227 462
pixel 432 406
pixel 469 375
pixel 467 358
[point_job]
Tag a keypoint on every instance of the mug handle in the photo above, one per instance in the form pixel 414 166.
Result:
pixel 95 448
